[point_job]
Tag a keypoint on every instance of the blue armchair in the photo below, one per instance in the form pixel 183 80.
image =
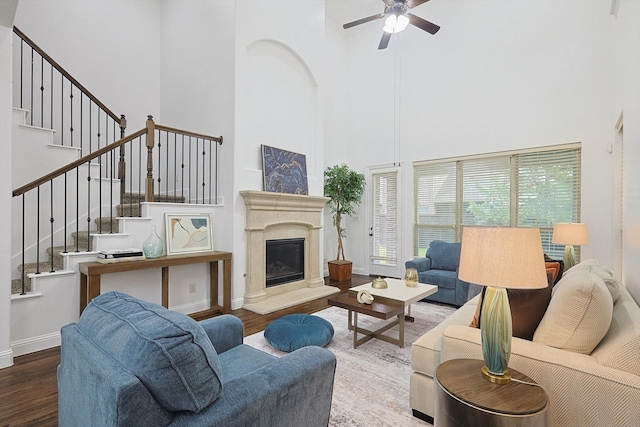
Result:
pixel 128 362
pixel 440 267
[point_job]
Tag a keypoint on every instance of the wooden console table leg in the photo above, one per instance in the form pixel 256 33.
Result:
pixel 226 264
pixel 165 287
pixel 83 292
pixel 92 289
pixel 213 284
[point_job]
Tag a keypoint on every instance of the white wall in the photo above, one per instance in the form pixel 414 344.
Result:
pixel 497 76
pixel 626 47
pixel 110 46
pixel 7 11
pixel 197 85
pixel 279 56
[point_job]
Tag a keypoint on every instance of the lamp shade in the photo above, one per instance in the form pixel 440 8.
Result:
pixel 503 257
pixel 566 233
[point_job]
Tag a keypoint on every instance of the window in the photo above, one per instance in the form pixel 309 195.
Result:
pixel 532 188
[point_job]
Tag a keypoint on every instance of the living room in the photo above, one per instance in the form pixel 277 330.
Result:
pixel 498 76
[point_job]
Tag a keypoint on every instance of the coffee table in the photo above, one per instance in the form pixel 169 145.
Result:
pixel 388 303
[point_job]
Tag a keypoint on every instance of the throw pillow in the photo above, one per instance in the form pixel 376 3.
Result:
pixel 168 351
pixel 527 310
pixel 605 274
pixel 579 314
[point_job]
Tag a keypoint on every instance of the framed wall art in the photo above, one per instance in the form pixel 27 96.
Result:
pixel 188 233
pixel 284 171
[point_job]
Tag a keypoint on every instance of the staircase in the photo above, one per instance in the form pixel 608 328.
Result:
pixel 92 191
pixel 83 241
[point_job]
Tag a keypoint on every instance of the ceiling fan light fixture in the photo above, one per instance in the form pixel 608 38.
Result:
pixel 395 24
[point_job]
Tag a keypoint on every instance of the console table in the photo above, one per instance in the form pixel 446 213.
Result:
pixel 90 273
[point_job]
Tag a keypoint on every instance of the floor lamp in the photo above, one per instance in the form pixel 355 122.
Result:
pixel 500 258
pixel 569 234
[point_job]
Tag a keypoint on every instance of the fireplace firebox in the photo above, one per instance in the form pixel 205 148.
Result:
pixel 285 261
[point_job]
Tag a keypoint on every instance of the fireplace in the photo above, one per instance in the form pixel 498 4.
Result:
pixel 287 217
pixel 285 261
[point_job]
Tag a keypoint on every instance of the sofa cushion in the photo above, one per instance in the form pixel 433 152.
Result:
pixel 444 255
pixel 442 278
pixel 579 313
pixel 169 352
pixel 620 347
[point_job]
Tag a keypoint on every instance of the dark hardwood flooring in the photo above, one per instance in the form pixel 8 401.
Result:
pixel 29 389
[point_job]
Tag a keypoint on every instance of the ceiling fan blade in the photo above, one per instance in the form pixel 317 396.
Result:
pixel 363 20
pixel 384 42
pixel 391 2
pixel 423 24
pixel 414 3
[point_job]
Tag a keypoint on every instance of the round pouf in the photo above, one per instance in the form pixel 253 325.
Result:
pixel 295 331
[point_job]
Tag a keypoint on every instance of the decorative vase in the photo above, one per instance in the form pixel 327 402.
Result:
pixel 152 246
pixel 411 277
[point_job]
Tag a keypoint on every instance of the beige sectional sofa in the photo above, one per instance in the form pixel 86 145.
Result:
pixel 585 351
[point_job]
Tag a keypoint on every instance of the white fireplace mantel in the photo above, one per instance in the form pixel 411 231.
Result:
pixel 272 216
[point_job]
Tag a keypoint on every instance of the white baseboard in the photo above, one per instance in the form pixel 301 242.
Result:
pixel 33 344
pixel 6 358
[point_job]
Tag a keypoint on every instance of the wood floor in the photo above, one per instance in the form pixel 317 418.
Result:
pixel 29 389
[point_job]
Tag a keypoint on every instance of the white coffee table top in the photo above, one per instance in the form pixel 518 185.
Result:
pixel 397 290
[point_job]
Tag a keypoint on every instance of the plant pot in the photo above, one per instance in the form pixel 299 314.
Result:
pixel 340 270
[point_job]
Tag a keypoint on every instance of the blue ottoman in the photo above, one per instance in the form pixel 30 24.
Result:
pixel 295 331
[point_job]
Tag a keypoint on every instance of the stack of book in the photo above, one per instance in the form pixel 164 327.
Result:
pixel 119 255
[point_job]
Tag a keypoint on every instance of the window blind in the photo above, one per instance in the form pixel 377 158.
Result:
pixel 385 218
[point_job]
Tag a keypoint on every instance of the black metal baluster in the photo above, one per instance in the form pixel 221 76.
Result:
pixel 78 209
pixel 182 169
pixel 71 116
pixel 189 169
pixel 23 244
pixel 210 167
pixel 88 206
pixel 159 189
pixel 66 198
pixel 38 231
pixel 204 153
pixel 61 109
pixel 31 90
pixel 41 92
pixel 175 165
pixel 22 81
pixel 51 98
pixel 51 220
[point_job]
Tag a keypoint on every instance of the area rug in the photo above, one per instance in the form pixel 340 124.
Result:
pixel 371 385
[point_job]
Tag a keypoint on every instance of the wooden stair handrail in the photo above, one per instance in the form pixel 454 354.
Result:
pixel 64 72
pixel 56 173
pixel 217 139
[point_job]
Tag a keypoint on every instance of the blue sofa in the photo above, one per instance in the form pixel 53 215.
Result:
pixel 440 267
pixel 128 362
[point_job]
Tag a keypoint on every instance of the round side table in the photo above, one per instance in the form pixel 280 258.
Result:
pixel 465 398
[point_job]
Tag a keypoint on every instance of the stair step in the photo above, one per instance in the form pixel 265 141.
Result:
pixel 107 224
pixel 45 267
pixel 128 210
pixel 16 285
pixel 134 198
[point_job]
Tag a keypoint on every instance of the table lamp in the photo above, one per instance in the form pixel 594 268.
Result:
pixel 500 258
pixel 569 234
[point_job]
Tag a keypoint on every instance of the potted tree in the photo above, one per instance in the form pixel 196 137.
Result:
pixel 345 187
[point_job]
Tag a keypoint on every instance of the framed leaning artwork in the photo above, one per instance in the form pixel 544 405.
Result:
pixel 284 171
pixel 188 233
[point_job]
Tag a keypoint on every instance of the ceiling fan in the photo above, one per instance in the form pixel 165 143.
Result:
pixel 397 17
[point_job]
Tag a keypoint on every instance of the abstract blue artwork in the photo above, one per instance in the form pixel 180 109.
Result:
pixel 284 171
